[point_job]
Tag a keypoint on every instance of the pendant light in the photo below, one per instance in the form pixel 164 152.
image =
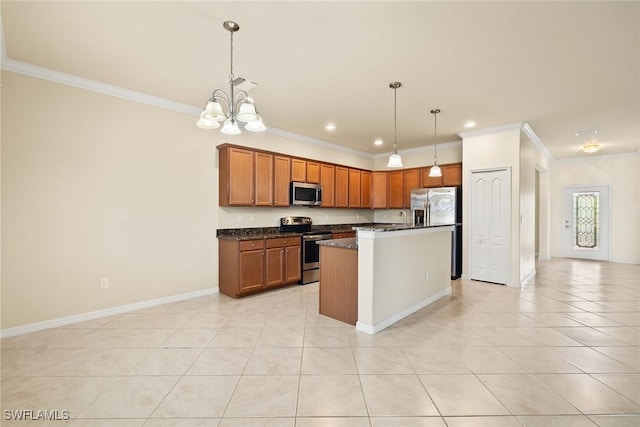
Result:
pixel 395 161
pixel 435 169
pixel 240 107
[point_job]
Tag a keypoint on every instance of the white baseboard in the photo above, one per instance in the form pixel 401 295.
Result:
pixel 77 318
pixel 530 276
pixel 374 329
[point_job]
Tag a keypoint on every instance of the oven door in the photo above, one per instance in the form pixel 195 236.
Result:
pixel 311 251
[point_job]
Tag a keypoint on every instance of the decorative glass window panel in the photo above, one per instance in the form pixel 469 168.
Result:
pixel 586 219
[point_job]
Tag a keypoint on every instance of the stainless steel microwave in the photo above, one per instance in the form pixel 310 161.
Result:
pixel 304 194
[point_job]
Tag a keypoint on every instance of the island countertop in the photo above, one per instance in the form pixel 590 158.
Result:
pixel 346 243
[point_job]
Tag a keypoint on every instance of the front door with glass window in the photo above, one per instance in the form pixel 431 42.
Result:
pixel 586 223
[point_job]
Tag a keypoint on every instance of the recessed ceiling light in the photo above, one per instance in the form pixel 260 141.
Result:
pixel 330 127
pixel 378 142
pixel 470 124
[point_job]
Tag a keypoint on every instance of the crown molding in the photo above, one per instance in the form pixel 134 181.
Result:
pixel 42 73
pixel 526 128
pixel 489 130
pixel 94 86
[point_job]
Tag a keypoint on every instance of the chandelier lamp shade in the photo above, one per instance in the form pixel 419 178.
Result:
pixel 238 106
pixel 435 169
pixel 395 161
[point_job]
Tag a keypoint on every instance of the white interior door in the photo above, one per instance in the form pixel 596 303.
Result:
pixel 490 225
pixel 586 223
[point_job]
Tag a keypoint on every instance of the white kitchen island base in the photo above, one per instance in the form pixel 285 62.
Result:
pixel 400 271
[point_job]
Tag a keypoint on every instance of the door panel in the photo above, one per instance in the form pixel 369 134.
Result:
pixel 490 226
pixel 586 223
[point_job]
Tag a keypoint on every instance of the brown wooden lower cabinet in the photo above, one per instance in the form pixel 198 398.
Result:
pixel 249 266
pixel 339 283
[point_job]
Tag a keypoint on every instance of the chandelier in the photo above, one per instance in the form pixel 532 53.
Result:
pixel 395 161
pixel 435 169
pixel 239 106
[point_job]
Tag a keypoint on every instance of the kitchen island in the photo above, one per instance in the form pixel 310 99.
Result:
pixel 400 269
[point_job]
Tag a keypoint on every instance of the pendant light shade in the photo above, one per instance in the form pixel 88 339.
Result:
pixel 395 161
pixel 230 127
pixel 247 112
pixel 207 123
pixel 256 125
pixel 435 171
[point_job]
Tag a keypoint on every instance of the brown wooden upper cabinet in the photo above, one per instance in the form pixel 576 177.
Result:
pixel 379 190
pixel 342 187
pixel 249 177
pixel 451 176
pixel 396 195
pixel 365 190
pixel 313 172
pixel 298 170
pixel 410 180
pixel 305 171
pixel 281 180
pixel 237 177
pixel 263 179
pixel 355 178
pixel 328 182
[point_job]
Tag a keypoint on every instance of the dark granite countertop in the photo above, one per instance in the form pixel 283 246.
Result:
pixel 274 232
pixel 348 243
pixel 397 227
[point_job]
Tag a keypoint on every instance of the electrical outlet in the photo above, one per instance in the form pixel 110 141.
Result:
pixel 103 283
pixel 426 275
pixel 239 218
pixel 250 218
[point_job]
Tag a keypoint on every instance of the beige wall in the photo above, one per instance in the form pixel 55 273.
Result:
pixel 622 174
pixel 94 186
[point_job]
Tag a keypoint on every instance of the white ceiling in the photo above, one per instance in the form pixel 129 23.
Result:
pixel 563 67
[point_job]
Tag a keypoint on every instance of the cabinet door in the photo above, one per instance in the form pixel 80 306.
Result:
pixel 379 193
pixel 365 190
pixel 281 180
pixel 410 180
pixel 264 179
pixel 298 170
pixel 313 172
pixel 240 178
pixel 251 271
pixel 428 181
pixel 342 187
pixel 275 266
pixel 395 190
pixel 355 178
pixel 293 265
pixel 327 180
pixel 452 174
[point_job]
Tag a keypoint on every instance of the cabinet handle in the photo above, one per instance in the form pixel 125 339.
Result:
pixel 285 242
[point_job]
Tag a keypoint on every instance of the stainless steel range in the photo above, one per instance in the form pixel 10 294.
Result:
pixel 310 258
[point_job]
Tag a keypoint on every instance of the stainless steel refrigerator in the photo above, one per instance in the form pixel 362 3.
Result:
pixel 444 208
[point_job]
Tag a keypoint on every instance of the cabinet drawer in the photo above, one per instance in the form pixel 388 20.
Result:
pixel 249 245
pixel 283 241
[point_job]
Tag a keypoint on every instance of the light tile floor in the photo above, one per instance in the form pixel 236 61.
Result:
pixel 562 351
